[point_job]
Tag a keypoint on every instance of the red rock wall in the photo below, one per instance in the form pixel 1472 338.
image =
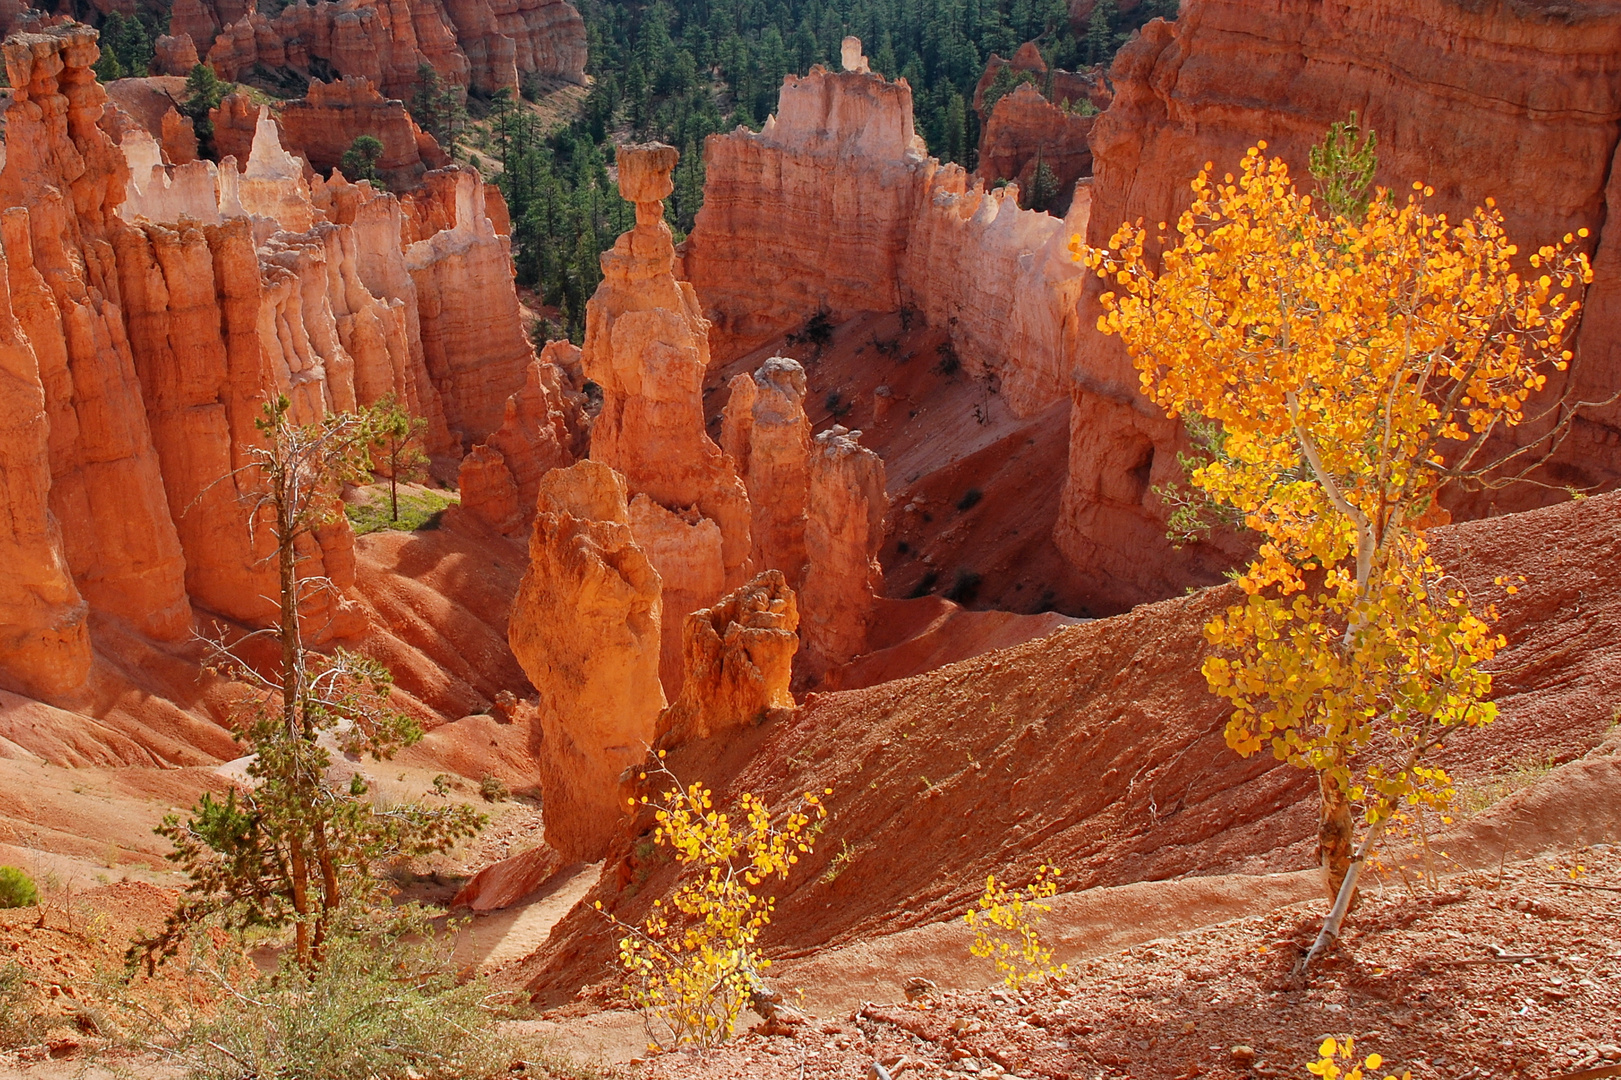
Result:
pixel 1497 99
pixel 812 213
pixel 1025 131
pixel 152 321
pixel 472 335
pixel 476 44
pixel 835 207
pixel 106 489
pixel 325 123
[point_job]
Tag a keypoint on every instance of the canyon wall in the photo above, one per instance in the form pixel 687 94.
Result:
pixel 1046 118
pixel 324 123
pixel 151 310
pixel 1498 99
pixel 835 207
pixel 479 45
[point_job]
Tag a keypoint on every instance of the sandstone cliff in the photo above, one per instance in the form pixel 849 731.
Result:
pixel 834 207
pixel 646 345
pixel 324 123
pixel 585 627
pixel 483 45
pixel 767 433
pixel 1025 132
pixel 545 427
pixel 62 180
pixel 159 305
pixel 1045 119
pixel 842 537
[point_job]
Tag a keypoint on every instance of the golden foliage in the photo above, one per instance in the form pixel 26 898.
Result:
pixel 1004 923
pixel 1355 368
pixel 1332 1052
pixel 692 965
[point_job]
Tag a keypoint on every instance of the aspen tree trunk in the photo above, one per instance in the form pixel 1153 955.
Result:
pixel 1336 834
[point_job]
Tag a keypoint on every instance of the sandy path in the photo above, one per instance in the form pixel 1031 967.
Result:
pixel 492 941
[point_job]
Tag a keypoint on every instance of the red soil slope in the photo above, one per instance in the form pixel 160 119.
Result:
pixel 1098 749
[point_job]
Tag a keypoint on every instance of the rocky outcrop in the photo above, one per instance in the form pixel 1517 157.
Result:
pixel 159 306
pixel 739 659
pixel 834 207
pixel 472 335
pixel 1044 119
pixel 174 54
pixel 585 627
pixel 61 181
pixel 842 537
pixel 324 124
pixel 44 644
pixel 768 435
pixel 646 346
pixel 812 212
pixel 150 105
pixel 1024 133
pixel 1460 99
pixel 483 45
pixel 507 40
pixel 385 43
pixel 234 121
pixel 1002 279
pixel 545 427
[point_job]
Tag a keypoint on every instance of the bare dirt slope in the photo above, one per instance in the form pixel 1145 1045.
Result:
pixel 1420 980
pixel 1098 749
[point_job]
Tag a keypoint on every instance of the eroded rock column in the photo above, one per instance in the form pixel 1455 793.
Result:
pixel 647 346
pixel 585 627
pixel 739 658
pixel 844 530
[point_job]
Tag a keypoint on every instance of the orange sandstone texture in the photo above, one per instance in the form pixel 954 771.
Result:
pixel 157 307
pixel 767 433
pixel 62 179
pixel 647 346
pixel 835 207
pixel 324 123
pixel 585 627
pixel 544 428
pixel 844 531
pixel 739 658
pixel 44 644
pixel 481 45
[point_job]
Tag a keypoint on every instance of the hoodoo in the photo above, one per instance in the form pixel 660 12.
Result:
pixel 647 347
pixel 585 627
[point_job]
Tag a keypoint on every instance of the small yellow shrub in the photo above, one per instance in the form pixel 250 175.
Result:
pixel 1332 1052
pixel 692 966
pixel 1004 923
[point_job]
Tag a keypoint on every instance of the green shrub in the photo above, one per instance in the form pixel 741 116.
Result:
pixel 17 889
pixel 383 1004
pixel 492 789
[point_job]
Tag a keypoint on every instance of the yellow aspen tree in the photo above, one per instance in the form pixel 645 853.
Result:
pixel 1355 362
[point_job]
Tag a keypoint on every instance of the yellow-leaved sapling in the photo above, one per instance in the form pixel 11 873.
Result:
pixel 1005 923
pixel 1358 358
pixel 693 964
